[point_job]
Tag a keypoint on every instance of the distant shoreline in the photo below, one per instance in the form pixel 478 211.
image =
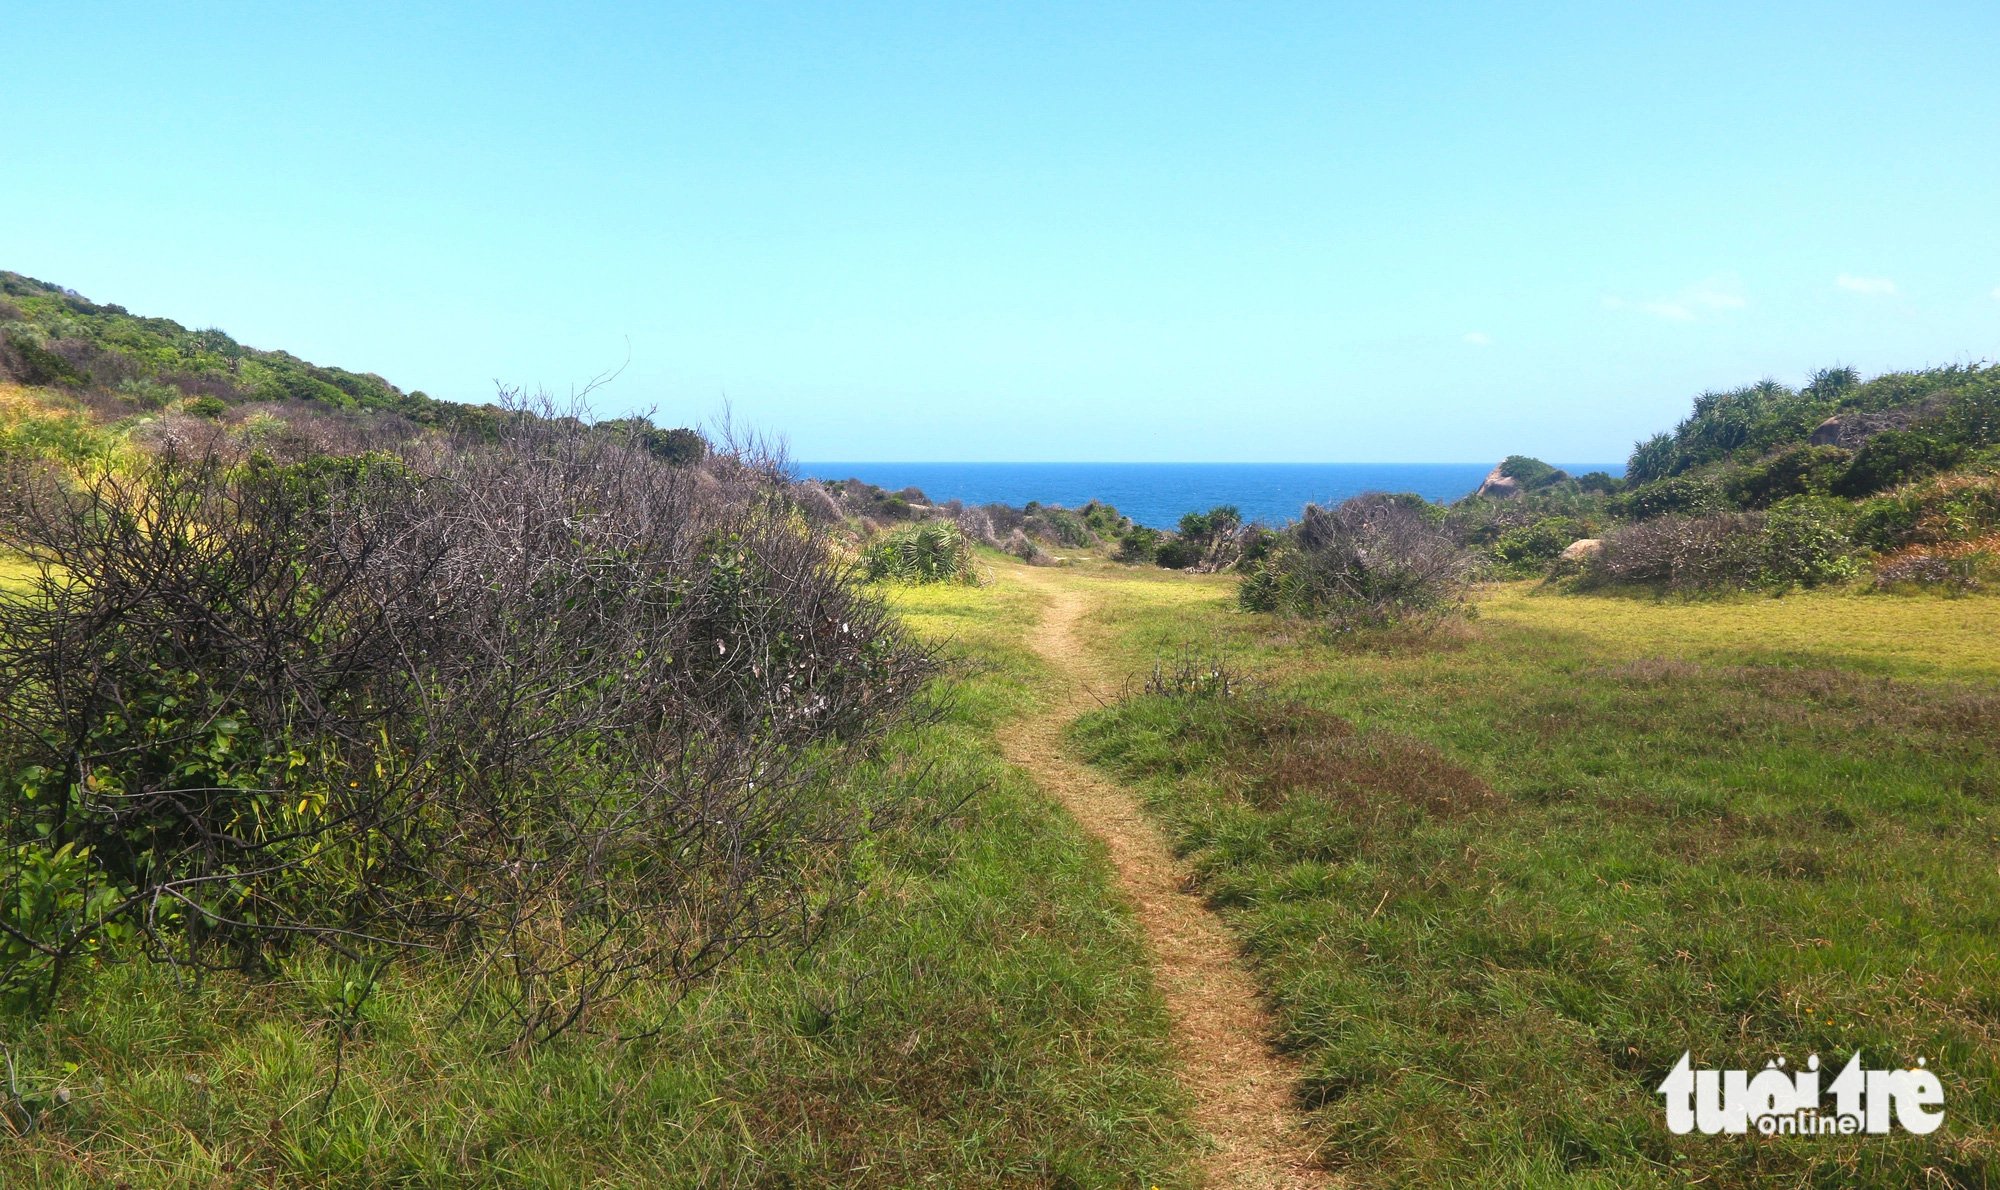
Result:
pixel 1159 494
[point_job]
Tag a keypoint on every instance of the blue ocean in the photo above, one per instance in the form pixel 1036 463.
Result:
pixel 1157 494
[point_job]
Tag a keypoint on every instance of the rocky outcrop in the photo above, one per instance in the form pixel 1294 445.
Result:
pixel 1499 486
pixel 1849 430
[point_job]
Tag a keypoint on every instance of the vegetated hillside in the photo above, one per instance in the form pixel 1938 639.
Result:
pixel 55 338
pixel 1896 479
pixel 102 365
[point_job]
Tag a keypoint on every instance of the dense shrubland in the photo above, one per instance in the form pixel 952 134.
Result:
pixel 1894 480
pixel 1767 488
pixel 541 702
pixel 1899 474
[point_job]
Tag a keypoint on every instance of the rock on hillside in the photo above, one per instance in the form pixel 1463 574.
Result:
pixel 1499 485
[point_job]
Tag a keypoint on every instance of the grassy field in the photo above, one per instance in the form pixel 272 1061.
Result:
pixel 1498 881
pixel 986 1018
pixel 15 574
pixel 1495 882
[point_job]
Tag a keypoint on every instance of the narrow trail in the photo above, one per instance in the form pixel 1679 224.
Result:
pixel 1241 1088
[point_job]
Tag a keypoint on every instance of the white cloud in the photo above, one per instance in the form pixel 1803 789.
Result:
pixel 1996 293
pixel 1482 339
pixel 1875 286
pixel 1713 296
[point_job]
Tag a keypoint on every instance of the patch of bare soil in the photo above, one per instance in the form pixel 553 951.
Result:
pixel 1241 1087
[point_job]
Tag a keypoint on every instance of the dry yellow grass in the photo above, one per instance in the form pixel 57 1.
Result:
pixel 1917 636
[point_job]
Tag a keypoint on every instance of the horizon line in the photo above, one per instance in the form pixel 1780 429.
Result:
pixel 1166 463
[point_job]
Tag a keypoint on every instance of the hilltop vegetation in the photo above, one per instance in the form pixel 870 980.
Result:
pixel 69 366
pixel 1893 481
pixel 55 338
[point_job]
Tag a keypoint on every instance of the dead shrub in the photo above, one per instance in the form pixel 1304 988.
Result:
pixel 1684 553
pixel 545 702
pixel 1371 562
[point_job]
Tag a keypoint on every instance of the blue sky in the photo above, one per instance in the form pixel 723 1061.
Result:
pixel 1286 232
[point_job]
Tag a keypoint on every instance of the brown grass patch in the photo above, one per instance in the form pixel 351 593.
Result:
pixel 1370 770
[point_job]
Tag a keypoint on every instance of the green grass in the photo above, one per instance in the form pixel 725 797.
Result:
pixel 15 574
pixel 984 1018
pixel 1497 882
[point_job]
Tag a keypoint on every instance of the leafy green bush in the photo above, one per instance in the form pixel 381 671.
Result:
pixel 1533 547
pixel 1794 471
pixel 677 446
pixel 1213 540
pixel 1104 520
pixel 1062 526
pixel 149 394
pixel 1893 457
pixel 1654 459
pixel 1177 553
pixel 70 439
pixel 1957 408
pixel 1680 495
pixel 1139 544
pixel 932 552
pixel 35 364
pixel 1809 542
pixel 57 910
pixel 1946 509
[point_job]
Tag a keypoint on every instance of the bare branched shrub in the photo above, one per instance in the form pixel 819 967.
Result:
pixel 818 503
pixel 549 703
pixel 1684 553
pixel 1370 562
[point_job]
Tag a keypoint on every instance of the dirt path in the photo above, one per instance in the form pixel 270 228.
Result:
pixel 1240 1086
